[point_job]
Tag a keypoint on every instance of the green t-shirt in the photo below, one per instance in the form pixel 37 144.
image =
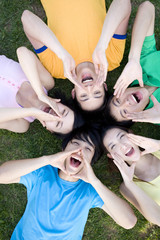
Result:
pixel 150 62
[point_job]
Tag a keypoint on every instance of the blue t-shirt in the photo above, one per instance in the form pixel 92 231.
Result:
pixel 56 209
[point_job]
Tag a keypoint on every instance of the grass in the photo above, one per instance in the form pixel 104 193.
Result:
pixel 37 141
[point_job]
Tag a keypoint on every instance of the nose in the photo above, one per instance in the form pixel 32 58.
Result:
pixel 89 88
pixel 124 146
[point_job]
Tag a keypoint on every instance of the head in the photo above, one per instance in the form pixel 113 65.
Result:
pixel 134 99
pixel 70 117
pixel 88 140
pixel 91 97
pixel 115 140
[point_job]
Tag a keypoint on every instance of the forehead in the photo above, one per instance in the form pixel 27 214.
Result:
pixel 112 135
pixel 84 141
pixel 92 103
pixel 68 121
pixel 116 110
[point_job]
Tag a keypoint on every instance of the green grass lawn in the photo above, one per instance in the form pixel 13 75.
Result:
pixel 37 141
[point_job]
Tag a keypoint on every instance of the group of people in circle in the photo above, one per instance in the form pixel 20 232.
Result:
pixel 82 43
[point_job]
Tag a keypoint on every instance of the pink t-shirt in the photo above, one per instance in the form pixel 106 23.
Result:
pixel 11 78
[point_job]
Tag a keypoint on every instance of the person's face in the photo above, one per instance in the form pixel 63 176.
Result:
pixel 91 97
pixel 65 125
pixel 116 141
pixel 75 162
pixel 133 100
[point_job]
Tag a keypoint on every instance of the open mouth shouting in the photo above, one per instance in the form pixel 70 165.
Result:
pixel 75 161
pixel 136 97
pixel 87 78
pixel 49 110
pixel 130 152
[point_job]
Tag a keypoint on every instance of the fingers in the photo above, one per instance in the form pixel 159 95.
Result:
pixel 154 100
pixel 136 139
pixel 140 80
pixel 96 68
pixel 57 100
pixel 141 116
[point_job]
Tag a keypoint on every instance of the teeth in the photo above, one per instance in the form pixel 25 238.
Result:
pixel 77 158
pixel 134 99
pixel 128 151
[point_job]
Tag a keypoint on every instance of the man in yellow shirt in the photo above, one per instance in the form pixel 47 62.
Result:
pixel 81 43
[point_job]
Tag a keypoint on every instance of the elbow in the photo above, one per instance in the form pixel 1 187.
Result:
pixel 21 51
pixel 25 17
pixel 130 223
pixel 147 5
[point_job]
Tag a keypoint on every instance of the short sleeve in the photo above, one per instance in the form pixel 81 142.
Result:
pixel 30 179
pixel 97 200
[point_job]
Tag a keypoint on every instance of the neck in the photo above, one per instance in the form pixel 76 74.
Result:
pixel 67 177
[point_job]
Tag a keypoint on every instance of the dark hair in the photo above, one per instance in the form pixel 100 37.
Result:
pixel 95 115
pixel 111 120
pixel 78 118
pixel 106 128
pixel 89 134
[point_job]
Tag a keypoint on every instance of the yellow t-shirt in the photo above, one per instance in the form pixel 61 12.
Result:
pixel 77 25
pixel 152 188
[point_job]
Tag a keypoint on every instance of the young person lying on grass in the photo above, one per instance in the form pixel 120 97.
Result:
pixel 81 49
pixel 143 191
pixel 23 97
pixel 127 103
pixel 61 189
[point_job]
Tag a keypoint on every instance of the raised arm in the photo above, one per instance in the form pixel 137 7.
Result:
pixel 116 207
pixel 150 145
pixel 143 26
pixel 148 207
pixel 116 21
pixel 37 75
pixel 11 171
pixel 39 34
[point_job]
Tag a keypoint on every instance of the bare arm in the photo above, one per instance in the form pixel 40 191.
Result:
pixel 143 26
pixel 116 207
pixel 34 71
pixel 115 18
pixel 11 171
pixel 148 207
pixel 42 35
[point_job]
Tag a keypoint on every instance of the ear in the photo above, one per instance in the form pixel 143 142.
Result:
pixel 105 86
pixel 73 93
pixel 109 155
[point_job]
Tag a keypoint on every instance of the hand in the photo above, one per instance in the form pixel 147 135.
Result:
pixel 44 117
pixel 150 145
pixel 131 72
pixel 151 115
pixel 100 65
pixel 58 160
pixel 69 69
pixel 126 171
pixel 86 173
pixel 51 102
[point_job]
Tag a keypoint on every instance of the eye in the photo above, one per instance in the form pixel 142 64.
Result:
pixel 113 146
pixel 121 136
pixel 75 143
pixel 97 92
pixel 125 111
pixel 63 112
pixel 88 149
pixel 118 101
pixel 83 95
